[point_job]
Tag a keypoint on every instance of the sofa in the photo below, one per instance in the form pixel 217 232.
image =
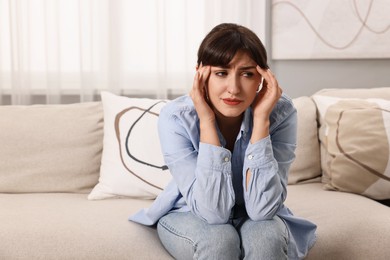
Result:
pixel 56 203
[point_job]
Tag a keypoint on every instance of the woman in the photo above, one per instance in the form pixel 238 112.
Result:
pixel 229 146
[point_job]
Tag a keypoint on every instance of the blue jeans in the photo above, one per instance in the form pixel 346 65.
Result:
pixel 186 236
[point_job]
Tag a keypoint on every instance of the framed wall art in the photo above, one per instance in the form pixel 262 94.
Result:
pixel 330 29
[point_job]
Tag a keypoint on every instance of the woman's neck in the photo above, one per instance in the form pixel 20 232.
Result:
pixel 229 127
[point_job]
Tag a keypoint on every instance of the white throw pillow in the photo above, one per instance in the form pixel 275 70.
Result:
pixel 132 163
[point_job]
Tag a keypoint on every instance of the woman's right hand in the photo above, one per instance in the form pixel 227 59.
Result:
pixel 199 95
pixel 208 131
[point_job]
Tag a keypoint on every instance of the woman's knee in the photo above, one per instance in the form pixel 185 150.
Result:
pixel 187 237
pixel 264 239
pixel 219 242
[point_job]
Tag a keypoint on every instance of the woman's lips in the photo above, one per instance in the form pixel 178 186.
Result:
pixel 231 102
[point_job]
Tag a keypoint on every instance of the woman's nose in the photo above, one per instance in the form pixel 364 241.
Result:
pixel 233 85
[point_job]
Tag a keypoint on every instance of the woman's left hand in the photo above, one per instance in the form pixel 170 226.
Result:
pixel 263 104
pixel 268 95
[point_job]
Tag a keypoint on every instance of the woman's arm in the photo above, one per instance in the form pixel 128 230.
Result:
pixel 201 171
pixel 265 170
pixel 208 131
pixel 262 106
pixel 199 165
pixel 268 161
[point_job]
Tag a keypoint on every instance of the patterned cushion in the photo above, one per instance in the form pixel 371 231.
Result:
pixel 132 162
pixel 354 135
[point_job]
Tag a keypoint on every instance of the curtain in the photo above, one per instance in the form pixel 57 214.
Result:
pixel 51 50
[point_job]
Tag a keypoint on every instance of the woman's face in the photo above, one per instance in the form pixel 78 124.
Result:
pixel 232 89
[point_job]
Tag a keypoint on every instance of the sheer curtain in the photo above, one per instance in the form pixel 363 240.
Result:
pixel 54 49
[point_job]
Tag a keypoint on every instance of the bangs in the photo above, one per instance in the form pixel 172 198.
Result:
pixel 221 51
pixel 220 46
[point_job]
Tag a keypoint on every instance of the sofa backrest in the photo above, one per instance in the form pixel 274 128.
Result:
pixel 58 148
pixel 307 165
pixel 50 148
pixel 356 93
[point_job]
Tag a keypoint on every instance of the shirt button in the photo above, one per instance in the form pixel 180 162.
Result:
pixel 226 159
pixel 250 157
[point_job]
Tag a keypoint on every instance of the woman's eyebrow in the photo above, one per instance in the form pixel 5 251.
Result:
pixel 240 68
pixel 225 67
pixel 247 67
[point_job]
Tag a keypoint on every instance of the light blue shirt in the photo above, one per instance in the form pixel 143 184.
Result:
pixel 209 180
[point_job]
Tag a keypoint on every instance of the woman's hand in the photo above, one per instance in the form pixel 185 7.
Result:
pixel 208 131
pixel 264 103
pixel 199 95
pixel 268 95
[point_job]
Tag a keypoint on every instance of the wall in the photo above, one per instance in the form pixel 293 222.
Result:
pixel 305 77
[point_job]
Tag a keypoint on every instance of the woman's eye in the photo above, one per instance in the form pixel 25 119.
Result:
pixel 247 74
pixel 221 73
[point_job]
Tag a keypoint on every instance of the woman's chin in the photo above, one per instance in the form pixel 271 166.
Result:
pixel 231 113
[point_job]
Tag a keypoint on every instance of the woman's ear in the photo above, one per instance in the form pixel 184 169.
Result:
pixel 261 85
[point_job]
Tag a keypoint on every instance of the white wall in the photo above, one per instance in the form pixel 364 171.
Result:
pixel 299 78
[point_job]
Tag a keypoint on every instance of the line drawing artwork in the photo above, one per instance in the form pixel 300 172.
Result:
pixel 330 29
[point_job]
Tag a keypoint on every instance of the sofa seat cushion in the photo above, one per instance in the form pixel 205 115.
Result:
pixel 68 226
pixel 350 226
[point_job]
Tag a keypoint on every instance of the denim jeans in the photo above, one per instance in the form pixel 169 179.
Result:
pixel 186 236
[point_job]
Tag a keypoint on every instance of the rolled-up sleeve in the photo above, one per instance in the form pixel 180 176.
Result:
pixel 201 171
pixel 268 161
pixel 214 188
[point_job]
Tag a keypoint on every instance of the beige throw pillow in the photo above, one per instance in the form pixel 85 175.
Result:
pixel 355 137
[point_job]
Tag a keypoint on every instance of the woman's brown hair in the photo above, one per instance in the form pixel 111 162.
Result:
pixel 224 40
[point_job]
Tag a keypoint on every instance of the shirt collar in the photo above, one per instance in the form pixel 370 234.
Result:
pixel 245 129
pixel 246 124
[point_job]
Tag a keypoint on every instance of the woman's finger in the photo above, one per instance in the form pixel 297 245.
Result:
pixel 269 78
pixel 198 91
pixel 262 72
pixel 205 75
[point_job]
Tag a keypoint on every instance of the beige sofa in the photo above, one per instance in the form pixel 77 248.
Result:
pixel 50 159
